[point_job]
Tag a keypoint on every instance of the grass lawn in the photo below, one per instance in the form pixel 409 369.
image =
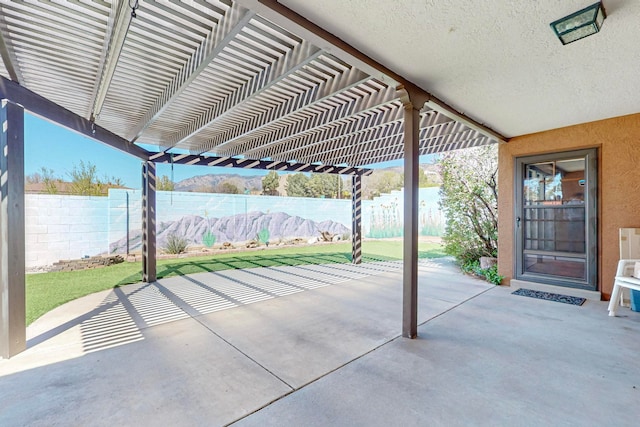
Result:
pixel 47 291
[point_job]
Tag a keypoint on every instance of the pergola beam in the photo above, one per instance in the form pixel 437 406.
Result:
pixel 234 162
pixel 356 220
pixel 41 106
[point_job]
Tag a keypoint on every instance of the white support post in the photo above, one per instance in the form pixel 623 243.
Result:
pixel 12 240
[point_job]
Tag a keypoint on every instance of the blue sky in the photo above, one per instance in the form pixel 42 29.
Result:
pixel 54 147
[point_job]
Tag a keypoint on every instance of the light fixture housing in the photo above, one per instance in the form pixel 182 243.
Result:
pixel 580 24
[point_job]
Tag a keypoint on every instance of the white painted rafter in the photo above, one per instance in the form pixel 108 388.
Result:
pixel 432 145
pixel 296 59
pixel 119 26
pixel 9 57
pixel 372 109
pixel 282 15
pixel 224 33
pixel 384 146
pixel 291 114
pixel 284 107
pixel 370 139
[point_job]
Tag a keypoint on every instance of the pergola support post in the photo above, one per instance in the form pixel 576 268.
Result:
pixel 356 220
pixel 148 222
pixel 12 227
pixel 412 105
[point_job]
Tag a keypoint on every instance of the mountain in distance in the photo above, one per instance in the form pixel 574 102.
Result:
pixel 212 181
pixel 234 228
pixel 430 169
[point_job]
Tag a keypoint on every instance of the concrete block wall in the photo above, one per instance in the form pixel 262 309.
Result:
pixel 71 227
pixel 171 206
pixel 123 206
pixel 64 227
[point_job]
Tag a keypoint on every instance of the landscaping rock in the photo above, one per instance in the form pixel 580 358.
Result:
pixel 487 262
pixel 86 263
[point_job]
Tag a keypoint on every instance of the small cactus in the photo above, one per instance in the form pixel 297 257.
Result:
pixel 208 239
pixel 263 236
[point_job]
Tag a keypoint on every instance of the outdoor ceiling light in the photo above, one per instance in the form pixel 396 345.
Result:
pixel 580 24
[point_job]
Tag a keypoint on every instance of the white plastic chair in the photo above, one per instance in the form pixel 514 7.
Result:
pixel 624 279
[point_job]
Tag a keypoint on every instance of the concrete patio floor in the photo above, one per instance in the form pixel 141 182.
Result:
pixel 319 345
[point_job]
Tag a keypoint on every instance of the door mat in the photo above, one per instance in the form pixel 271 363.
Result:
pixel 549 296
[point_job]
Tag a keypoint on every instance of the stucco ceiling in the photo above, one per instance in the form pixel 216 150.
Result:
pixel 498 62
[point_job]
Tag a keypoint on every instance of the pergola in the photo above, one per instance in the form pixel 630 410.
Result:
pixel 242 83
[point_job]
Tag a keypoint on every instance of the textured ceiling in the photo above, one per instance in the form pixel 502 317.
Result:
pixel 498 62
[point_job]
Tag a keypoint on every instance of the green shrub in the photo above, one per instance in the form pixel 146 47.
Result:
pixel 489 274
pixel 467 258
pixel 176 244
pixel 471 266
pixel 492 276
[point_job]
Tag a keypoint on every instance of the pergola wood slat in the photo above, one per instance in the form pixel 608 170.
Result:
pixel 234 162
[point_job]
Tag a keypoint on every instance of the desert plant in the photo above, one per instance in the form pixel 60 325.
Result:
pixel 263 236
pixel 85 181
pixel 176 244
pixel 50 181
pixel 164 183
pixel 227 187
pixel 208 239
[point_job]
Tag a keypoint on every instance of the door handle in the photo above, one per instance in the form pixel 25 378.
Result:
pixel 518 222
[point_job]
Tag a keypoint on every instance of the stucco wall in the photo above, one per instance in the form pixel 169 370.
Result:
pixel 618 144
